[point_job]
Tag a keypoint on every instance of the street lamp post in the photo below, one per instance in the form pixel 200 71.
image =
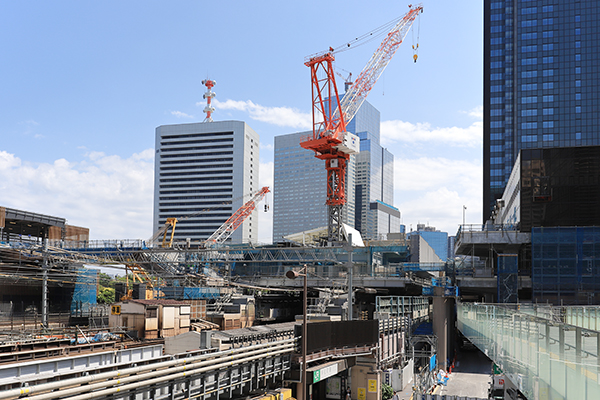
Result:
pixel 293 275
pixel 464 209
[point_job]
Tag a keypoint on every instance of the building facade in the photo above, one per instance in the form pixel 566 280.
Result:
pixel 375 214
pixel 203 172
pixel 299 188
pixel 436 240
pixel 540 82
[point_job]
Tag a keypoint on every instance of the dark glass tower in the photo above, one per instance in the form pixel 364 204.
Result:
pixel 541 82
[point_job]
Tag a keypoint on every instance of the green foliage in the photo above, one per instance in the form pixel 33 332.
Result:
pixel 106 295
pixel 106 280
pixel 386 392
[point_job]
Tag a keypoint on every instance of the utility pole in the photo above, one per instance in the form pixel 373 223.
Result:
pixel 45 280
pixel 350 268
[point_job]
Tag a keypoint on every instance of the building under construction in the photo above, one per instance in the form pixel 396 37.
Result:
pixel 24 269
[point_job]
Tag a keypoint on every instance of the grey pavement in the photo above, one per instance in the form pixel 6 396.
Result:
pixel 470 377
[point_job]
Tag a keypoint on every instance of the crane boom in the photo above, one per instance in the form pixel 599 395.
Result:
pixel 329 139
pixel 358 92
pixel 233 222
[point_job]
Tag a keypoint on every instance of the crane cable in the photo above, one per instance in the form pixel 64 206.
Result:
pixel 416 47
pixel 367 37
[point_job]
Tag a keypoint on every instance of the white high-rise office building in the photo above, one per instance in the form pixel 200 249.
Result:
pixel 206 171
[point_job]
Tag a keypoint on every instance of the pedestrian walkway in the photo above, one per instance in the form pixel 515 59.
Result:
pixel 470 378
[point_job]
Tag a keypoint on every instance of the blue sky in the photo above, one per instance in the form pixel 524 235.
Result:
pixel 83 85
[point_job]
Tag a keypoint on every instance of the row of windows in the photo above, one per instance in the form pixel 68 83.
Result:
pixel 195 155
pixel 195 135
pixel 223 146
pixel 195 167
pixel 168 212
pixel 533 22
pixel 193 162
pixel 183 142
pixel 219 196
pixel 195 203
pixel 545 72
pixel 192 173
pixel 176 194
pixel 204 218
pixel 196 173
pixel 195 185
pixel 534 99
pixel 534 112
pixel 190 183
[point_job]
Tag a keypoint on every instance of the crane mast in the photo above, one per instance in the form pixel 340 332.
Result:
pixel 330 141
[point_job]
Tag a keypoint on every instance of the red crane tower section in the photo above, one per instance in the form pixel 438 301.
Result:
pixel 329 140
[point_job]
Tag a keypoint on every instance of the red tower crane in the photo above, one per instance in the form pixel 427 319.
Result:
pixel 329 140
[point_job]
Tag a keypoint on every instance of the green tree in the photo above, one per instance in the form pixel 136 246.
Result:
pixel 106 295
pixel 106 280
pixel 387 392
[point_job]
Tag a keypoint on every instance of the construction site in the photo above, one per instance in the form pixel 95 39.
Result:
pixel 321 314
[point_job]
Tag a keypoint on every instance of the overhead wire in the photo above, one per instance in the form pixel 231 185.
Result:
pixel 367 37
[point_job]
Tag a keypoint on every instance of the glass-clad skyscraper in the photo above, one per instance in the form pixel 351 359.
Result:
pixel 300 190
pixel 541 82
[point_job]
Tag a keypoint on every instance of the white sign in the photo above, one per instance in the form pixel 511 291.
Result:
pixel 325 372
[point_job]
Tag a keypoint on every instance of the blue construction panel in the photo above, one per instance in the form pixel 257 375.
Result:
pixel 441 282
pixel 426 328
pixel 427 291
pixel 565 264
pixel 172 292
pixel 85 293
pixel 200 293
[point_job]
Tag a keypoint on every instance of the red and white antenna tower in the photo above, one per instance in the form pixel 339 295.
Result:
pixel 209 109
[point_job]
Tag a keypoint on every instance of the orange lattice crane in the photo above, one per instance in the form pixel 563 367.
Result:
pixel 329 140
pixel 238 217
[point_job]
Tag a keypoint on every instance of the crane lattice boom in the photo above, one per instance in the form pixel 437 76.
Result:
pixel 233 222
pixel 358 92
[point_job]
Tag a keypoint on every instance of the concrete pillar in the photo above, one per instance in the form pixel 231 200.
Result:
pixel 299 390
pixel 442 325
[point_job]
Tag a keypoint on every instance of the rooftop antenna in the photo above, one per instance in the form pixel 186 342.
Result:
pixel 209 109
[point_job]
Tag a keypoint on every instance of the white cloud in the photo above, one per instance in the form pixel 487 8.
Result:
pixel 267 146
pixel 108 194
pixel 180 114
pixel 433 191
pixel 477 112
pixel 280 116
pixel 28 128
pixel 428 173
pixel 400 131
